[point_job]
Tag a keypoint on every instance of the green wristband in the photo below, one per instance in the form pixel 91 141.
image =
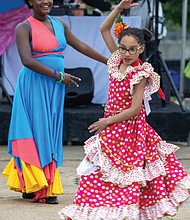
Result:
pixel 61 77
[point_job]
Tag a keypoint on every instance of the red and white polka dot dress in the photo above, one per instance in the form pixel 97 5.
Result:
pixel 129 172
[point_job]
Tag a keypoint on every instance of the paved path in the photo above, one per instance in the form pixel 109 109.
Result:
pixel 13 207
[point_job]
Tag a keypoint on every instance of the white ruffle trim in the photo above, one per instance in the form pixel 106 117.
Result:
pixel 181 193
pixel 145 70
pixel 165 149
pixel 166 206
pixel 152 83
pixel 139 72
pixel 87 213
pixel 179 196
pixel 111 174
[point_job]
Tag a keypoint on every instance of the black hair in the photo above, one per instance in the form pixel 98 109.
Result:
pixel 141 35
pixel 27 3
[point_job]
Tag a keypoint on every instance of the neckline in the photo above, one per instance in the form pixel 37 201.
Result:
pixel 135 64
pixel 49 18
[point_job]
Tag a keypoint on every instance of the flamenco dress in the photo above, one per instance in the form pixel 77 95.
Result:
pixel 36 126
pixel 128 172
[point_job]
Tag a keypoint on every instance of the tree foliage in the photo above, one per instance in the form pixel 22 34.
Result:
pixel 173 13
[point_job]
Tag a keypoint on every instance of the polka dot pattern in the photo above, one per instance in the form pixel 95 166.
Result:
pixel 97 193
pixel 137 176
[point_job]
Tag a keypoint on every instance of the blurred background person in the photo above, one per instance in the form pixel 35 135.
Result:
pixel 147 11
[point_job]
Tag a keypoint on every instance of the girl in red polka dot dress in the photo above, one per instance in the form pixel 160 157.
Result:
pixel 129 172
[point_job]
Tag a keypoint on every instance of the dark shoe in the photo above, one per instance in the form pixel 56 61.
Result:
pixel 28 195
pixel 52 200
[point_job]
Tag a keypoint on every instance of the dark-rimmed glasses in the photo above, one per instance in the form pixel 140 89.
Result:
pixel 132 50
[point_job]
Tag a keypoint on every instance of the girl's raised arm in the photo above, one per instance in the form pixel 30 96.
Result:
pixel 109 21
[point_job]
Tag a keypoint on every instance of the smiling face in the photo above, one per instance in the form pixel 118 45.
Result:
pixel 41 7
pixel 130 49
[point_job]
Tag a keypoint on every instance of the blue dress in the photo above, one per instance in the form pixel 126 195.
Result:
pixel 36 127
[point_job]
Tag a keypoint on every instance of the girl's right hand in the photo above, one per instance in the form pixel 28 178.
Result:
pixel 70 79
pixel 99 125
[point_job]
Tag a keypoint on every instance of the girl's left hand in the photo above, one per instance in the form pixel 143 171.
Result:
pixel 126 4
pixel 99 125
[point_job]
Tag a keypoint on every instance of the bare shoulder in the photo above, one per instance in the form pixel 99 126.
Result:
pixel 61 20
pixel 23 30
pixel 23 26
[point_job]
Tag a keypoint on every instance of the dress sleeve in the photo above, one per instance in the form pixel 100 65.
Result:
pixel 113 62
pixel 152 79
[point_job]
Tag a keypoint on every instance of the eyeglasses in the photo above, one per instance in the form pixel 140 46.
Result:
pixel 132 50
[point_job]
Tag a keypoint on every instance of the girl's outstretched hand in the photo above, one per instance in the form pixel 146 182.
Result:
pixel 126 4
pixel 70 79
pixel 99 125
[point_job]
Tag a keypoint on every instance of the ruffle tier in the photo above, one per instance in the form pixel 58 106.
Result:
pixel 145 70
pixel 96 160
pixel 32 179
pixel 164 207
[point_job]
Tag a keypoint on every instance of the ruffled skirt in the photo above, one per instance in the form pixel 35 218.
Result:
pixel 134 175
pixel 31 179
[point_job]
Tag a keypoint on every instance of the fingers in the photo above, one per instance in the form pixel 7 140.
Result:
pixel 70 79
pixel 92 128
pixel 134 4
pixel 74 79
pixel 95 130
pixel 128 4
pixel 96 127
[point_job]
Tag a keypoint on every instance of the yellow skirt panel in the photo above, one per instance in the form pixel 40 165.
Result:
pixel 33 179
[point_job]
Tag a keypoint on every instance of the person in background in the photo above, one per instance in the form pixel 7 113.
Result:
pixel 78 7
pixel 99 6
pixel 36 126
pixel 129 171
pixel 147 11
